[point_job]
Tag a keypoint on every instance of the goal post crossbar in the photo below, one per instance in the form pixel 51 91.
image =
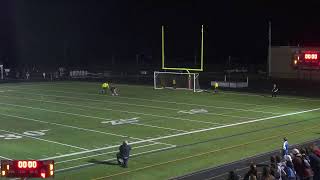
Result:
pixel 187 81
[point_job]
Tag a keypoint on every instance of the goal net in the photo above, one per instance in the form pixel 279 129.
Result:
pixel 175 80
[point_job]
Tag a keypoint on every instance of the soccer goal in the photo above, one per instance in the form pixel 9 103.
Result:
pixel 176 80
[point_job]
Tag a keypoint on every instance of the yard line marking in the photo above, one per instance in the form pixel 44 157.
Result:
pixel 2 157
pixel 192 132
pixel 147 125
pixel 151 87
pixel 83 165
pixel 81 115
pixel 68 88
pixel 45 140
pixel 109 109
pixel 61 112
pixel 69 160
pixel 200 154
pixel 151 100
pixel 75 127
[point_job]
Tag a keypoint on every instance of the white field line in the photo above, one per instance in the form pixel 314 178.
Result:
pixel 130 112
pixel 142 99
pixel 159 127
pixel 125 85
pixel 78 128
pixel 2 157
pixel 45 140
pixel 48 110
pixel 138 105
pixel 142 86
pixel 191 132
pixel 83 165
pixel 81 115
pixel 94 155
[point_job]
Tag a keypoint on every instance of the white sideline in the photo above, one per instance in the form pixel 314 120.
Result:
pixel 82 165
pixel 75 127
pixel 2 157
pixel 81 115
pixel 109 109
pixel 45 140
pixel 75 159
pixel 151 100
pixel 191 132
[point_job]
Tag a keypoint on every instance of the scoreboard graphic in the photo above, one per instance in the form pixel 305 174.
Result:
pixel 27 168
pixel 306 59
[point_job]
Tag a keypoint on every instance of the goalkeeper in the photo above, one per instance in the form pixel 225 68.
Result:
pixel 104 87
pixel 215 87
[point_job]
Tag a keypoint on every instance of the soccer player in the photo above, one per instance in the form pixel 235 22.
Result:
pixel 174 84
pixel 215 87
pixel 104 87
pixel 274 91
pixel 124 154
pixel 113 91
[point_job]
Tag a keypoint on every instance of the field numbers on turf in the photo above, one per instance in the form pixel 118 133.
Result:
pixel 27 133
pixel 122 121
pixel 193 111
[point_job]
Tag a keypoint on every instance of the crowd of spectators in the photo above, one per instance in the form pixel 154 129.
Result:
pixel 298 164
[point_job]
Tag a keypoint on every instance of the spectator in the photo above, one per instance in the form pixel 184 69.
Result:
pixel 314 163
pixel 303 172
pixel 289 169
pixel 252 172
pixel 273 165
pixel 315 149
pixel 308 173
pixel 233 176
pixel 280 166
pixel 285 147
pixel 266 174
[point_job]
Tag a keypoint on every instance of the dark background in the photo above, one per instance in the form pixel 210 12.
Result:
pixel 85 33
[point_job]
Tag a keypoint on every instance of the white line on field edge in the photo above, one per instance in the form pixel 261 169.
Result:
pixel 45 140
pixel 191 132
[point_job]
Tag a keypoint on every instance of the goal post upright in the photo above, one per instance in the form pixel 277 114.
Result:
pixel 180 68
pixel 191 83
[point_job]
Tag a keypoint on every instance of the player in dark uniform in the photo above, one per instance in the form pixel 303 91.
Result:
pixel 124 154
pixel 113 91
pixel 274 91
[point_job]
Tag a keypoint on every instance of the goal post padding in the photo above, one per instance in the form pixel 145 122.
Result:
pixel 188 81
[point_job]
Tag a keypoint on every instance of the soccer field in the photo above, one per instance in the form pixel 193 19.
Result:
pixel 172 133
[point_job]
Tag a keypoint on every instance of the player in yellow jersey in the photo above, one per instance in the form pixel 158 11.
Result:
pixel 215 87
pixel 104 87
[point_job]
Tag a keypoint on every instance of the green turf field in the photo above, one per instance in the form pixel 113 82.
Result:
pixel 172 132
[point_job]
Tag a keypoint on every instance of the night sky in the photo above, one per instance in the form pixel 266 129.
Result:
pixel 69 33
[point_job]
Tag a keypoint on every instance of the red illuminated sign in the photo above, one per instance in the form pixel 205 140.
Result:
pixel 27 168
pixel 310 56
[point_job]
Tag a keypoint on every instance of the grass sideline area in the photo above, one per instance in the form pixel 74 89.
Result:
pixel 172 132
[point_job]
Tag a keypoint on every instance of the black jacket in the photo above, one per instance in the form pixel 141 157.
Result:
pixel 125 150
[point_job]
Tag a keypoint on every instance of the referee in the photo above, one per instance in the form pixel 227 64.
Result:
pixel 274 91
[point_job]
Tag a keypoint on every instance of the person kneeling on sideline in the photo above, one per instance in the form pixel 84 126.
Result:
pixel 124 154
